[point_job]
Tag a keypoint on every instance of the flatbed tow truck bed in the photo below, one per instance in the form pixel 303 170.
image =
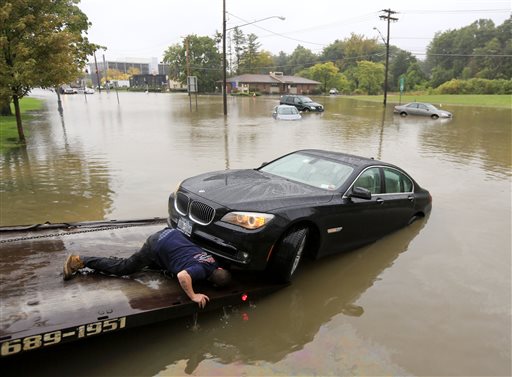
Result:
pixel 40 309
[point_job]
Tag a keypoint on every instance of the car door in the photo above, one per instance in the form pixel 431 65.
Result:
pixel 423 110
pixel 349 222
pixel 413 109
pixel 396 200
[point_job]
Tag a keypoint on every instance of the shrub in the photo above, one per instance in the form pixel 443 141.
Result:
pixel 475 86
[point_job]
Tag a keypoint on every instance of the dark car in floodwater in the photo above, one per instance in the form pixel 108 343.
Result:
pixel 308 201
pixel 302 103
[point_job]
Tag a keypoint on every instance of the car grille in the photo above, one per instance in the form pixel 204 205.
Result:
pixel 201 213
pixel 197 211
pixel 181 203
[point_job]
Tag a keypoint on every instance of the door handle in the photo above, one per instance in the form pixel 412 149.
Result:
pixel 410 197
pixel 380 200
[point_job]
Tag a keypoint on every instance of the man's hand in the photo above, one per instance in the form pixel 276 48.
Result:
pixel 200 299
pixel 186 284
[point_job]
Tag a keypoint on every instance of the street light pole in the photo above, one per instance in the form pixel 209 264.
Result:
pixel 224 63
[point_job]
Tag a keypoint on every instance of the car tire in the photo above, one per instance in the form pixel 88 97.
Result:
pixel 403 114
pixel 435 116
pixel 306 110
pixel 288 254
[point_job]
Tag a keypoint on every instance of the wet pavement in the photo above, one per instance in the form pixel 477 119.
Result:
pixel 431 299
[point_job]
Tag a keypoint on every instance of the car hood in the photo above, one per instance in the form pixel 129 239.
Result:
pixel 252 190
pixel 316 104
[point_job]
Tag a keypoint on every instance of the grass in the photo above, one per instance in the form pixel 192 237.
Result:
pixel 8 130
pixel 485 100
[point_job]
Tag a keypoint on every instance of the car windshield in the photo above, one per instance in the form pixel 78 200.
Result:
pixel 312 170
pixel 430 106
pixel 287 110
pixel 305 99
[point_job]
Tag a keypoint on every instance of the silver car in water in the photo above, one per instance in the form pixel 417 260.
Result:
pixel 285 112
pixel 421 108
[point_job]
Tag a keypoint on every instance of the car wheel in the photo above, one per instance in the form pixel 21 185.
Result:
pixel 413 219
pixel 403 114
pixel 306 110
pixel 435 116
pixel 288 254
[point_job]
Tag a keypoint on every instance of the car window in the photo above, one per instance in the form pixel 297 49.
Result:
pixel 396 182
pixel 312 170
pixel 413 105
pixel 422 107
pixel 305 99
pixel 287 110
pixel 370 180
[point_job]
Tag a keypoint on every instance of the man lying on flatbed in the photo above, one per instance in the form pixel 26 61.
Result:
pixel 166 249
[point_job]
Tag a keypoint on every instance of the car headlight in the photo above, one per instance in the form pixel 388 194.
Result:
pixel 247 220
pixel 312 107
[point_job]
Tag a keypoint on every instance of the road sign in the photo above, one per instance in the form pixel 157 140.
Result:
pixel 192 84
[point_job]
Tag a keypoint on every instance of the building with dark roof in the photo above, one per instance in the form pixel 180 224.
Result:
pixel 273 83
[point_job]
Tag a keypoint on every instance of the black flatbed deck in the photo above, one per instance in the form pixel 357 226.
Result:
pixel 40 309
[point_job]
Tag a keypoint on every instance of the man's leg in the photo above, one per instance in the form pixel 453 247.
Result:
pixel 111 265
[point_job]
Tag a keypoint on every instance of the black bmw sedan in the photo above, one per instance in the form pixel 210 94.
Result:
pixel 308 201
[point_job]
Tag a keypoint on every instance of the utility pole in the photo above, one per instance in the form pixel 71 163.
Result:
pixel 387 17
pixel 105 70
pixel 97 72
pixel 224 94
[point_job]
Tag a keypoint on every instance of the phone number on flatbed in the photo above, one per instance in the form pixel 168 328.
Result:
pixel 11 347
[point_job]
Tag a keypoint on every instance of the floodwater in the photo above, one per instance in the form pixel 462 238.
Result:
pixel 431 299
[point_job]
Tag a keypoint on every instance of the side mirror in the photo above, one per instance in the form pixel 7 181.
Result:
pixel 361 193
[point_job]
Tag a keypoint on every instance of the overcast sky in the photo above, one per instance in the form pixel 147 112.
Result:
pixel 144 29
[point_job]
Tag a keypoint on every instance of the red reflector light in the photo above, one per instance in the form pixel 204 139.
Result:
pixel 245 297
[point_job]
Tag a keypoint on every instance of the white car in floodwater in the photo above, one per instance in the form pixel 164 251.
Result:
pixel 286 112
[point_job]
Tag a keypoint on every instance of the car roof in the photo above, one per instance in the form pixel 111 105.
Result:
pixel 344 157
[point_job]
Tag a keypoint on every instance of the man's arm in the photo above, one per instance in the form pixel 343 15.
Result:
pixel 186 284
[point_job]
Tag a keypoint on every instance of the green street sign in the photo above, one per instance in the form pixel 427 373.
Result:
pixel 402 83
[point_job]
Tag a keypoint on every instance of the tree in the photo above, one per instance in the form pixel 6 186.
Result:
pixel 281 63
pixel 42 44
pixel 477 50
pixel 326 73
pixel 239 42
pixel 204 61
pixel 358 48
pixel 301 58
pixel 264 62
pixel 248 61
pixel 370 76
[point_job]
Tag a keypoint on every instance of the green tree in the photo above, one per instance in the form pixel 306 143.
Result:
pixel 359 48
pixel 239 41
pixel 370 76
pixel 301 58
pixel 334 52
pixel 264 62
pixel 326 73
pixel 249 58
pixel 415 78
pixel 42 44
pixel 204 61
pixel 477 50
pixel 281 63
